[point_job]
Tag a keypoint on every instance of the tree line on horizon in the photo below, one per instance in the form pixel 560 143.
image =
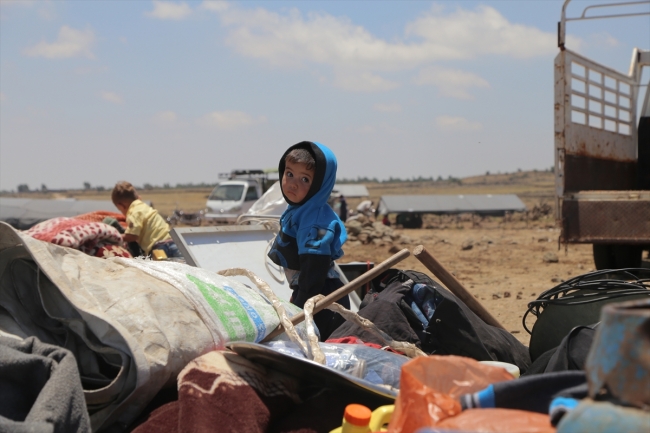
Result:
pixel 24 188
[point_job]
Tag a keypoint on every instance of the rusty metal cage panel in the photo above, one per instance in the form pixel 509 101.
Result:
pixel 606 217
pixel 601 121
pixel 595 125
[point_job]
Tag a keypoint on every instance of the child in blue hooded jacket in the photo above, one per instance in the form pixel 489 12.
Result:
pixel 311 234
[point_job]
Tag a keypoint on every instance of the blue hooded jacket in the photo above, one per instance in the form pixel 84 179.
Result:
pixel 311 233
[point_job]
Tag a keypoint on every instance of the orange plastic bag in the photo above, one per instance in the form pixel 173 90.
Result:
pixel 498 420
pixel 430 387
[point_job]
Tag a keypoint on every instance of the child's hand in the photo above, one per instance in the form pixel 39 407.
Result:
pixel 128 237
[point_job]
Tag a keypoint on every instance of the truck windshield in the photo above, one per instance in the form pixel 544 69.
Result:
pixel 227 192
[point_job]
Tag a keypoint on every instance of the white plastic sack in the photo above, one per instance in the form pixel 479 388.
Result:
pixel 132 325
pixel 231 310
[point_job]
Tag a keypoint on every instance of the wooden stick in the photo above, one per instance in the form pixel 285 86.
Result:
pixel 454 285
pixel 348 288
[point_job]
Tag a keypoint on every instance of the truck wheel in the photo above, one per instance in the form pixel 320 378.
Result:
pixel 607 256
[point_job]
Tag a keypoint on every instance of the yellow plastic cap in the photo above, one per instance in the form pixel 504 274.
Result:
pixel 357 414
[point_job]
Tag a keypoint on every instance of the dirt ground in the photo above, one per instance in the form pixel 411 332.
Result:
pixel 505 267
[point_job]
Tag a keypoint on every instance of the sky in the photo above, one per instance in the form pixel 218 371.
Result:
pixel 179 91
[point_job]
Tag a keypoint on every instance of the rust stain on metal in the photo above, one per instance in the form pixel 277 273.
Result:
pixel 622 221
pixel 584 173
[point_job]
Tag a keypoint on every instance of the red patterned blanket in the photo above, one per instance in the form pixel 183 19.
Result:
pixel 93 238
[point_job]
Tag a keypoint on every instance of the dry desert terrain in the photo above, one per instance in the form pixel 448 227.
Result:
pixel 511 260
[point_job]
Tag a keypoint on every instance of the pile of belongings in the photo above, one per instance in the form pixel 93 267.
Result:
pixel 137 345
pixel 90 233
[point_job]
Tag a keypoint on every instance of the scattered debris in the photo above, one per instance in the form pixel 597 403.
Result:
pixel 467 245
pixel 365 232
pixel 496 296
pixel 486 240
pixel 550 258
pixel 514 332
pixel 506 294
pixel 539 210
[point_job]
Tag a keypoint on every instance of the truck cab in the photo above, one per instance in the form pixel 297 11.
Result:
pixel 234 196
pixel 602 150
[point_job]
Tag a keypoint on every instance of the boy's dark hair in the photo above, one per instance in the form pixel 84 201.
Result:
pixel 123 192
pixel 301 156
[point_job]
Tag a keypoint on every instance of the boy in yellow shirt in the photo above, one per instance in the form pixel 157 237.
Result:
pixel 144 224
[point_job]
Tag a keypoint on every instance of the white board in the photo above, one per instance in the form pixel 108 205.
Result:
pixel 245 246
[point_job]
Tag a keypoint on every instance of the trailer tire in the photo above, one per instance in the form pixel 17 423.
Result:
pixel 607 256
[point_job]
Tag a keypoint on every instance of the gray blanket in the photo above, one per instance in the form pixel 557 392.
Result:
pixel 40 388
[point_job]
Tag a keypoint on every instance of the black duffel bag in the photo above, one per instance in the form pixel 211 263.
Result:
pixel 453 329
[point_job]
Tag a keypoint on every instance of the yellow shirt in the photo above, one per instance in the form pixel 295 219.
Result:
pixel 146 223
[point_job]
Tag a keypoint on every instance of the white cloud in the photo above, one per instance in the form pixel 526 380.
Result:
pixel 230 119
pixel 362 82
pixel 214 5
pixel 451 82
pixel 69 43
pixel 291 38
pixel 483 31
pixel 451 123
pixel 354 58
pixel 166 117
pixel 393 107
pixel 603 39
pixel 166 10
pixel 112 97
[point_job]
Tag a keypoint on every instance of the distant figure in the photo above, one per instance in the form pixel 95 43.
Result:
pixel 144 224
pixel 385 221
pixel 343 210
pixel 365 208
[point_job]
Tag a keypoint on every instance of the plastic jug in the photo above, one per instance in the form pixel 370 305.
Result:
pixel 359 419
pixel 510 368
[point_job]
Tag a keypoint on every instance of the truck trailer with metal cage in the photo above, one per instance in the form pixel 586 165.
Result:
pixel 602 149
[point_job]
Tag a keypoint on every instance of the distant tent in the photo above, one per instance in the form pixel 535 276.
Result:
pixel 482 204
pixel 23 213
pixel 351 190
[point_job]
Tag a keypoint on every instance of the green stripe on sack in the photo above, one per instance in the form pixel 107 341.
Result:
pixel 229 310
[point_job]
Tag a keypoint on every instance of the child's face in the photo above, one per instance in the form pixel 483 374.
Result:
pixel 297 180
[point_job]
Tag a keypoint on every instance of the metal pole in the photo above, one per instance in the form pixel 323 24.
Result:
pixel 348 288
pixel 454 285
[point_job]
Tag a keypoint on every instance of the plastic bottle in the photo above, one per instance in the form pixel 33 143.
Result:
pixel 356 419
pixel 359 419
pixel 427 300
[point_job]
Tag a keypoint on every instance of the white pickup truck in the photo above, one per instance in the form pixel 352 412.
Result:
pixel 235 196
